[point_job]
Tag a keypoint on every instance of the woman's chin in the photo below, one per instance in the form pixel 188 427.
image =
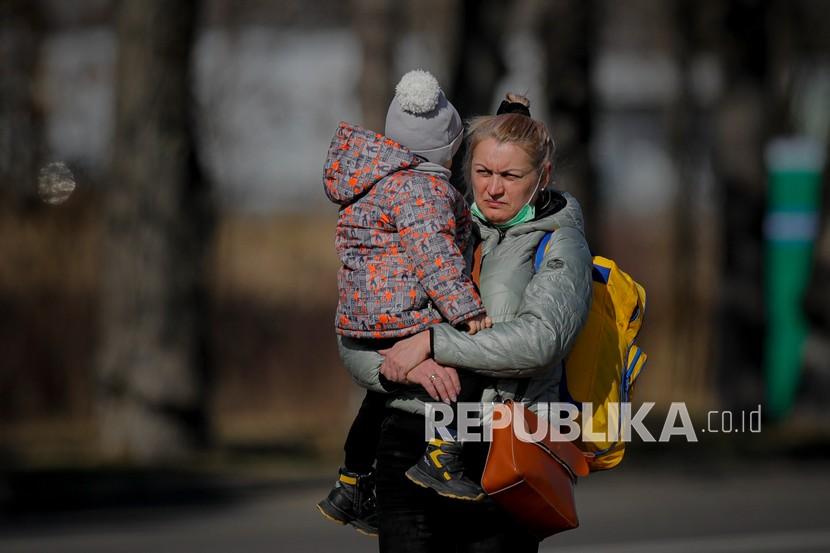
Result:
pixel 495 217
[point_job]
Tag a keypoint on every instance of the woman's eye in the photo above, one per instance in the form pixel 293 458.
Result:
pixel 483 172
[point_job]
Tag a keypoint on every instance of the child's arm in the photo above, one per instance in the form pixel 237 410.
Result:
pixel 425 219
pixel 479 322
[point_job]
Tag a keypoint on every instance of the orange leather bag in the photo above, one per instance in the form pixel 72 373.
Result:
pixel 533 481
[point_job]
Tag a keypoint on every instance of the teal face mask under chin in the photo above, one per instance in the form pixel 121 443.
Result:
pixel 525 214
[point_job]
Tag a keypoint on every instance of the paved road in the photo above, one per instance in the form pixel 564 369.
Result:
pixel 772 508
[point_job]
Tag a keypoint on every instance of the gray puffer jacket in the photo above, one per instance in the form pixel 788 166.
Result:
pixel 537 315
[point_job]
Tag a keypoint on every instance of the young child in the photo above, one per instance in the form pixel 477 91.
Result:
pixel 400 235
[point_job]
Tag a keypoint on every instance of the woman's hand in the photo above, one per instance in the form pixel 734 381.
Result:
pixel 404 356
pixel 439 381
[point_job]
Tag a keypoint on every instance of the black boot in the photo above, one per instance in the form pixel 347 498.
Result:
pixel 442 469
pixel 352 501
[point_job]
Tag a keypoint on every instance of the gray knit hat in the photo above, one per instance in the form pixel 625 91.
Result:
pixel 422 119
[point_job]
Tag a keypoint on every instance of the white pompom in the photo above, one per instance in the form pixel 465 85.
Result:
pixel 418 92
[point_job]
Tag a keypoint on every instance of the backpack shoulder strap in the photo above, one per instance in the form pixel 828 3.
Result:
pixel 540 251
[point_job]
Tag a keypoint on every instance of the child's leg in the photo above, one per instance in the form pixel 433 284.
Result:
pixel 472 386
pixel 362 441
pixel 442 466
pixel 352 500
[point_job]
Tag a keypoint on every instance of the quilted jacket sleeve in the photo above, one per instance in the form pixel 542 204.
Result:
pixel 363 365
pixel 425 219
pixel 554 309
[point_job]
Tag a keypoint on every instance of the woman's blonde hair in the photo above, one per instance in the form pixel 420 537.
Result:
pixel 530 135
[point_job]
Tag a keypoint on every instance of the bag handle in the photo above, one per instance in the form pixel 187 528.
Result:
pixel 521 389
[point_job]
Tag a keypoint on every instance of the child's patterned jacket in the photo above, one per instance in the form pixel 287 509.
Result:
pixel 400 237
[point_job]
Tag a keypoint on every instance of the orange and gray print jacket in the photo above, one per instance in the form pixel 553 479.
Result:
pixel 401 231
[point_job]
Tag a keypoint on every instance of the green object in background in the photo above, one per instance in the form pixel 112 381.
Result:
pixel 794 167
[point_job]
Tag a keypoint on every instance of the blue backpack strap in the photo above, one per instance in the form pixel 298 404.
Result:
pixel 540 251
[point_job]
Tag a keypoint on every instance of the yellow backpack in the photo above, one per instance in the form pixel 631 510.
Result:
pixel 604 362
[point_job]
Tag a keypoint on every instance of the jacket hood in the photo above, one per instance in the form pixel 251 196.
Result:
pixel 359 158
pixel 556 210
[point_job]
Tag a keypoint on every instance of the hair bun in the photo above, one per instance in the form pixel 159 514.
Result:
pixel 514 98
pixel 514 103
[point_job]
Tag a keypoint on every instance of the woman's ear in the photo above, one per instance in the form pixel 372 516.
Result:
pixel 546 173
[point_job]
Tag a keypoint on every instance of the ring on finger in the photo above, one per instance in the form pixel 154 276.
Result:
pixel 432 377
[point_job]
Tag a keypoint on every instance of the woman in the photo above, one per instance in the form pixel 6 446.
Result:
pixel 537 315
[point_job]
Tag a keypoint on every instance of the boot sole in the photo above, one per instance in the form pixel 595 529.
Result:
pixel 365 532
pixel 332 513
pixel 417 476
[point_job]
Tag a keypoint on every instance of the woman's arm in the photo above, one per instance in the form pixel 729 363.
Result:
pixel 363 363
pixel 554 309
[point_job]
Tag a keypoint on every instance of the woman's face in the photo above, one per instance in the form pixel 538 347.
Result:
pixel 504 179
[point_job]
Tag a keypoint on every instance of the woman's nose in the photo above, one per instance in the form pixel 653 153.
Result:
pixel 495 187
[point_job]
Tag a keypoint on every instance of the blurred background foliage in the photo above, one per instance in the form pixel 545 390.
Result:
pixel 182 299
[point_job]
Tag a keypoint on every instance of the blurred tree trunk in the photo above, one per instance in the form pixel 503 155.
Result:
pixel 479 67
pixel 812 43
pixel 568 36
pixel 153 363
pixel 689 315
pixel 817 307
pixel 480 63
pixel 373 23
pixel 21 125
pixel 738 165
